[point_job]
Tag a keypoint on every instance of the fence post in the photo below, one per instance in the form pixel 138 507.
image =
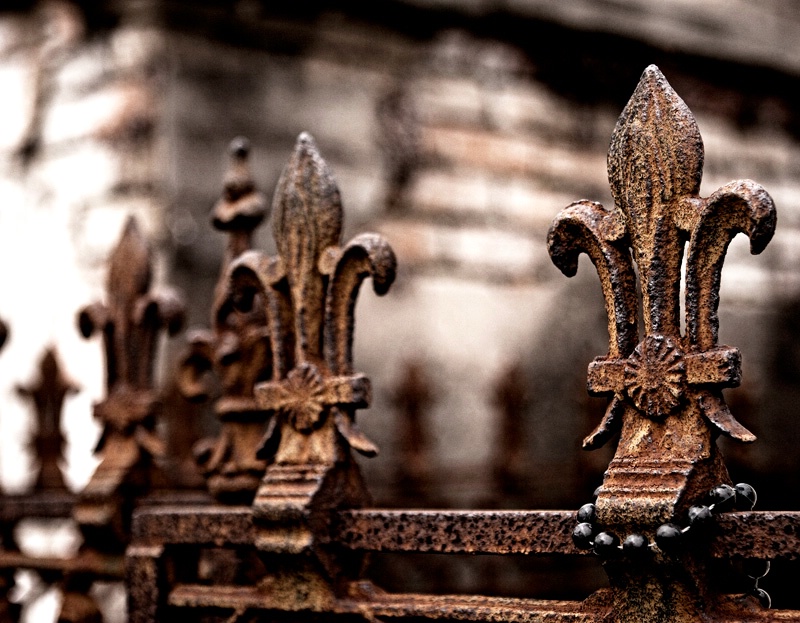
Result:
pixel 310 290
pixel 665 388
pixel 129 322
pixel 236 351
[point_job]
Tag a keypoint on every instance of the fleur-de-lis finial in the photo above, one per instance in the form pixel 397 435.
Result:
pixel 236 351
pixel 665 388
pixel 47 396
pixel 129 323
pixel 310 291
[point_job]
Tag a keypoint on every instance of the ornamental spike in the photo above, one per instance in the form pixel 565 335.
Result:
pixel 308 292
pixel 236 354
pixel 664 388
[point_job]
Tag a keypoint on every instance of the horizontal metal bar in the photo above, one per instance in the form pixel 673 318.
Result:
pixel 201 525
pixel 375 605
pixel 60 504
pixel 470 532
pixel 764 534
pixel 50 505
pixel 380 605
pixel 100 566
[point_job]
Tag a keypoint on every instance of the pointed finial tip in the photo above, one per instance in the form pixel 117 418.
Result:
pixel 130 222
pixel 306 141
pixel 652 72
pixel 131 228
pixel 240 147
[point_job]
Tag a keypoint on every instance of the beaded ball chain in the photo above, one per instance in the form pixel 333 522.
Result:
pixel 669 536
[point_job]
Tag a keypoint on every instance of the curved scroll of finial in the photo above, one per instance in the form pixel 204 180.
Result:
pixel 196 367
pixel 253 272
pixel 587 227
pixel 91 319
pixel 655 161
pixel 154 313
pixel 307 220
pixel 741 206
pixel 367 255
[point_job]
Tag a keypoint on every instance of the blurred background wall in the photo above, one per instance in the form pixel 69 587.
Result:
pixel 457 128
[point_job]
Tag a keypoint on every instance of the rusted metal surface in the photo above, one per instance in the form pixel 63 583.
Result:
pixel 302 302
pixel 309 290
pixel 236 352
pixel 215 525
pixel 457 532
pixel 665 388
pixel 44 505
pixel 102 568
pixel 243 601
pixel 308 525
pixel 765 535
pixel 129 322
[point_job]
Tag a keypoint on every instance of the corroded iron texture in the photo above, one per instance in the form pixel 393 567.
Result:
pixel 762 535
pixel 215 525
pixel 372 605
pixel 457 532
pixel 665 387
pixel 296 314
pixel 236 352
pixel 307 523
pixel 310 290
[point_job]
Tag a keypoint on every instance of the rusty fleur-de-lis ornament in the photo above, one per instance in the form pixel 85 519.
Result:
pixel 310 290
pixel 237 350
pixel 129 322
pixel 665 388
